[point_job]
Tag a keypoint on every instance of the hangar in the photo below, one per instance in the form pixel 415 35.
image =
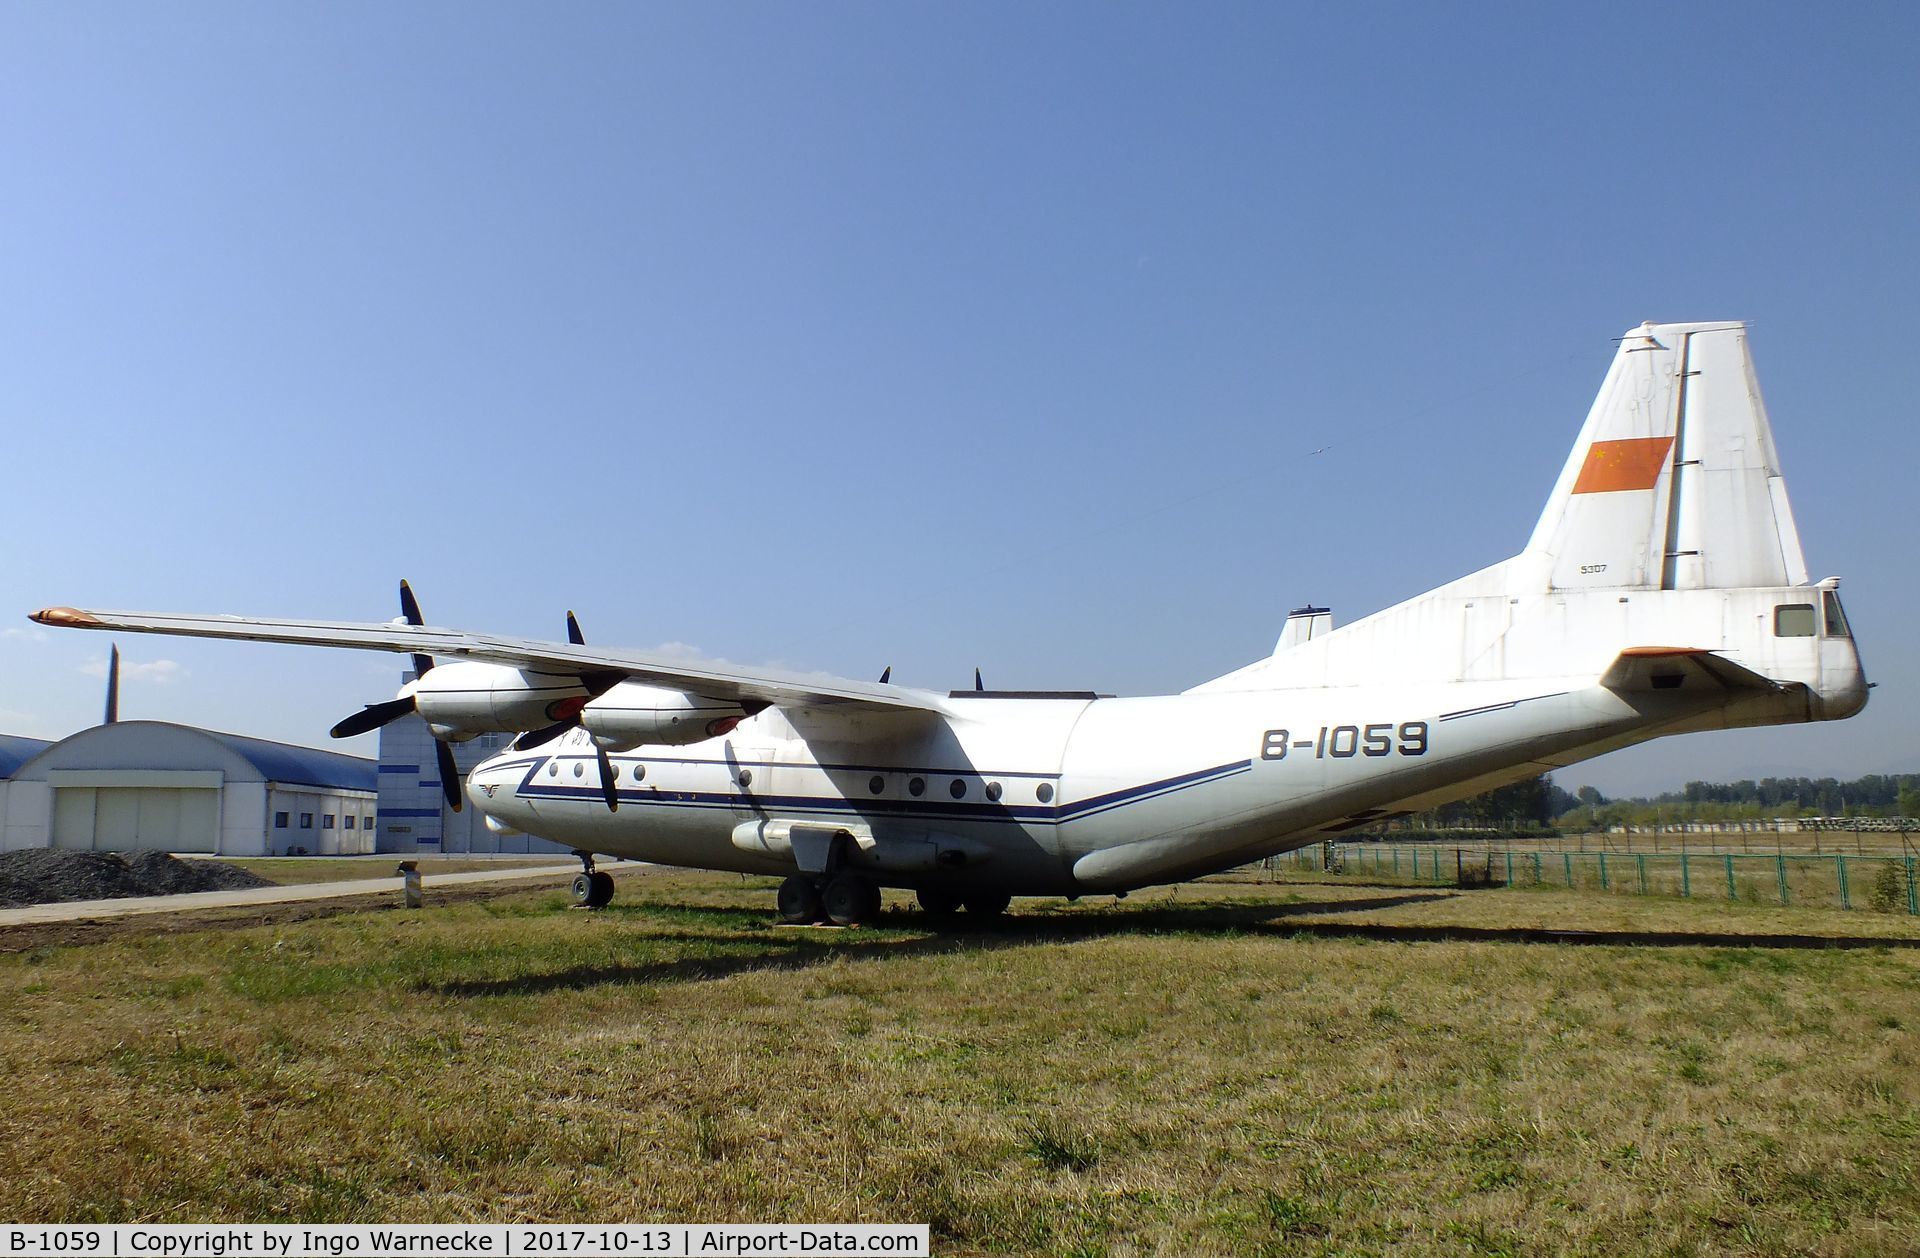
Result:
pixel 153 784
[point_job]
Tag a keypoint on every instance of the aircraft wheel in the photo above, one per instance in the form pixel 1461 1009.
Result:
pixel 594 890
pixel 988 903
pixel 938 901
pixel 851 900
pixel 799 901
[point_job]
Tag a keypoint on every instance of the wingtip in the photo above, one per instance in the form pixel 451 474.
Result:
pixel 65 618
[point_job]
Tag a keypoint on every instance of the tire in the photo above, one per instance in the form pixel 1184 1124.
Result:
pixel 851 900
pixel 799 902
pixel 583 890
pixel 987 903
pixel 938 901
pixel 600 890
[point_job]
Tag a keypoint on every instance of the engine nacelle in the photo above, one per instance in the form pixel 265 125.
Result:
pixel 634 714
pixel 464 699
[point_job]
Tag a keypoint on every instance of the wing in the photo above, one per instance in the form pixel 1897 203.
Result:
pixel 704 677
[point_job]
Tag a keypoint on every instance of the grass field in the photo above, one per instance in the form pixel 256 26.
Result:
pixel 1207 1069
pixel 294 870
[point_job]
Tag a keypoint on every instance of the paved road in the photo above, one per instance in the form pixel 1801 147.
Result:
pixel 132 906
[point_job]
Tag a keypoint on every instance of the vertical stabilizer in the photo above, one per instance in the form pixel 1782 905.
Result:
pixel 1674 482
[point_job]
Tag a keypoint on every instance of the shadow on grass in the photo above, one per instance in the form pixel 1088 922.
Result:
pixel 917 934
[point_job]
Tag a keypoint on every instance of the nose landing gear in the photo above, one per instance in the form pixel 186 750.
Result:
pixel 592 889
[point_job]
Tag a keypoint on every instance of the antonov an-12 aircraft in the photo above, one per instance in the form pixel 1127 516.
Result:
pixel 1663 591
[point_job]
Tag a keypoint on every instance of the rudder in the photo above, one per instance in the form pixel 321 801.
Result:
pixel 1674 482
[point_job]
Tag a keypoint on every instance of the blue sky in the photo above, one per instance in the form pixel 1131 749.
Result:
pixel 837 336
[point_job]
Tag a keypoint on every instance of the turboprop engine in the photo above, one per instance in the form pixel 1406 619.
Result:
pixel 462 700
pixel 634 714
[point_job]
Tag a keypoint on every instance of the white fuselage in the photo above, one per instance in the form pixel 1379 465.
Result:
pixel 1067 796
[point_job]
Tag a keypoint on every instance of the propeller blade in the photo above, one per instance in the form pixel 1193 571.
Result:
pixel 886 674
pixel 372 717
pixel 449 774
pixel 541 737
pixel 410 612
pixel 573 631
pixel 409 605
pixel 608 787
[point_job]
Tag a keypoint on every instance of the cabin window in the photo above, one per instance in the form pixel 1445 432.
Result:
pixel 1044 792
pixel 1836 619
pixel 639 772
pixel 917 787
pixel 993 791
pixel 959 788
pixel 579 768
pixel 746 777
pixel 1793 620
pixel 876 784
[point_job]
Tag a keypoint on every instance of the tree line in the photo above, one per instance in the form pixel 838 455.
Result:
pixel 1537 803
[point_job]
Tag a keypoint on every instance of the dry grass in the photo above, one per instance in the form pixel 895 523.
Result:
pixel 294 870
pixel 1193 1072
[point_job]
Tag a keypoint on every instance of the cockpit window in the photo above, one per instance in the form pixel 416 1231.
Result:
pixel 1836 619
pixel 1793 620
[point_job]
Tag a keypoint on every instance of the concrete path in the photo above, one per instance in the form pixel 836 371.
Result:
pixel 132 906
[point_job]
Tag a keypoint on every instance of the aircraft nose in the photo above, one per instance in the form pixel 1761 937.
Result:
pixel 491 784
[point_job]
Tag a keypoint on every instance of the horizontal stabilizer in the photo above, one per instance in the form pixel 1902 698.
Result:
pixel 1651 668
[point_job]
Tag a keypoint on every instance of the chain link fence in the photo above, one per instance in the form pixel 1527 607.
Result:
pixel 1888 884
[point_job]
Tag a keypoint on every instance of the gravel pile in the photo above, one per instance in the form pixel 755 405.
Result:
pixel 47 876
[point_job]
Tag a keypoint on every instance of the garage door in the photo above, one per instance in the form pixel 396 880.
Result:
pixel 126 819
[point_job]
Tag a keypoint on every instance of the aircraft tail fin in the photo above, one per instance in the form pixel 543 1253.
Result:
pixel 1674 483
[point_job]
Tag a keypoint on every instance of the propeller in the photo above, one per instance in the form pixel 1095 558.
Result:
pixel 374 715
pixel 597 684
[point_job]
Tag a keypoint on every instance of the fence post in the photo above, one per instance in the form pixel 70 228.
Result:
pixel 1780 867
pixel 1641 861
pixel 1509 867
pixel 1733 892
pixel 1913 893
pixel 1604 885
pixel 1566 858
pixel 1537 879
pixel 1840 874
pixel 1686 877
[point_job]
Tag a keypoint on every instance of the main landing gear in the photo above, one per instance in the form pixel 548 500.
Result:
pixel 846 899
pixel 592 889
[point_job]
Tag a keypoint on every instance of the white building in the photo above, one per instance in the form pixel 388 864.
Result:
pixel 153 784
pixel 414 816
